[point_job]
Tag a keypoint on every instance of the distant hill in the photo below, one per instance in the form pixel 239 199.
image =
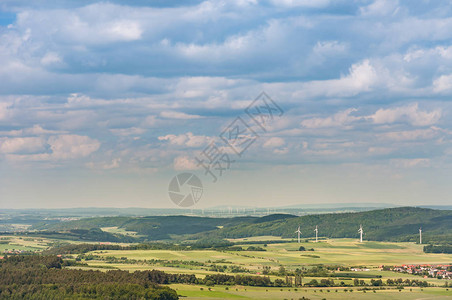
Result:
pixel 153 227
pixel 33 216
pixel 391 224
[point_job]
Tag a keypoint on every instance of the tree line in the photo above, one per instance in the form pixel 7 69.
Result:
pixel 42 277
pixel 438 249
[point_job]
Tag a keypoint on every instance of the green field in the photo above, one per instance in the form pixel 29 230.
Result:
pixel 35 244
pixel 347 252
pixel 338 252
pixel 343 252
pixel 9 243
pixel 240 292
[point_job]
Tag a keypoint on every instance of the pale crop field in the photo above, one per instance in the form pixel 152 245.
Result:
pixel 10 242
pixel 239 292
pixel 344 252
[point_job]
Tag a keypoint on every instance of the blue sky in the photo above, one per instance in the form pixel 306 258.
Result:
pixel 101 103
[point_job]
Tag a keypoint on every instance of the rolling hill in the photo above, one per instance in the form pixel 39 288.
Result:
pixel 150 228
pixel 392 224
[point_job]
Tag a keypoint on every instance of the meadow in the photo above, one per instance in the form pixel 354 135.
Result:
pixel 337 252
pixel 240 292
pixel 327 252
pixel 23 243
pixel 345 252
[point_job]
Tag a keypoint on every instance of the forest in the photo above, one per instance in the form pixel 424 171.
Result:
pixel 399 224
pixel 42 277
pixel 438 248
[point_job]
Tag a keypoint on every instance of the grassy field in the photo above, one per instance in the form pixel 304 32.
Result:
pixel 240 292
pixel 344 252
pixel 8 243
pixel 29 243
pixel 122 231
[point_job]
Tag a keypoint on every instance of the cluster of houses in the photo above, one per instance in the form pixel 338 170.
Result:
pixel 433 271
pixel 15 251
pixel 359 269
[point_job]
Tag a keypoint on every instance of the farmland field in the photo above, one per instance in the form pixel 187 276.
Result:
pixel 239 292
pixel 23 243
pixel 331 252
pixel 345 252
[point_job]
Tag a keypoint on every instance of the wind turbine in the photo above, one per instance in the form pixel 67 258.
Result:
pixel 316 233
pixel 360 231
pixel 420 235
pixel 299 232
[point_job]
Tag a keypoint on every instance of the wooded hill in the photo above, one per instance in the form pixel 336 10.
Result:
pixel 150 228
pixel 392 224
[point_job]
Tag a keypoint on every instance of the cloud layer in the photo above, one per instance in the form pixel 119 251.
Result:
pixel 126 89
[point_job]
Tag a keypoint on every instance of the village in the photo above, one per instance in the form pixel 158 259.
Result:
pixel 427 271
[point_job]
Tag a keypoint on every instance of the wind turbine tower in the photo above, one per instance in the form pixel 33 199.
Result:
pixel 360 231
pixel 316 233
pixel 298 232
pixel 420 235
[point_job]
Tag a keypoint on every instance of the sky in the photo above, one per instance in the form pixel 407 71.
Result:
pixel 103 103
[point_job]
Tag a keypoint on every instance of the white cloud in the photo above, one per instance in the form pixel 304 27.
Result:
pixel 36 130
pixel 438 54
pixel 361 78
pixel 78 99
pixel 381 8
pixel 128 131
pixel 3 110
pixel 148 67
pixel 442 84
pixel 84 25
pixel 327 48
pixel 22 145
pixel 380 150
pixel 411 114
pixel 410 135
pixel 301 3
pixel 59 147
pixel 72 146
pixel 186 139
pixel 341 118
pixel 410 163
pixel 281 151
pixel 150 121
pixel 178 115
pixel 124 30
pixel 184 163
pixel 233 44
pixel 256 44
pixel 414 55
pixel 274 142
pixel 114 164
pixel 51 58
